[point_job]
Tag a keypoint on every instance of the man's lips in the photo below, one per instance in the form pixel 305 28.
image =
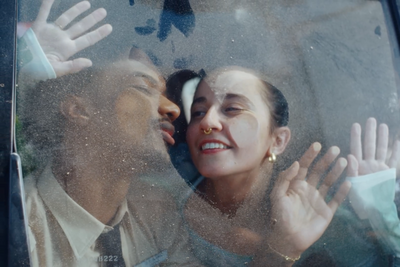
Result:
pixel 167 137
pixel 167 131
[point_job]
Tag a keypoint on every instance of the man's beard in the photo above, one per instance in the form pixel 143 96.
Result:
pixel 152 154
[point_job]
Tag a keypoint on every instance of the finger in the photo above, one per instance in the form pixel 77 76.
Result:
pixel 87 23
pixel 332 176
pixel 284 179
pixel 323 165
pixel 339 196
pixel 307 159
pixel 72 66
pixel 355 141
pixel 352 166
pixel 44 10
pixel 72 13
pixel 370 139
pixel 395 157
pixel 383 140
pixel 92 37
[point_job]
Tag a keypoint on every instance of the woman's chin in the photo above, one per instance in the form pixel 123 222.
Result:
pixel 212 173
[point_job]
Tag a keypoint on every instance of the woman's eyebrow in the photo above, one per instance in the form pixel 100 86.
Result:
pixel 199 100
pixel 240 98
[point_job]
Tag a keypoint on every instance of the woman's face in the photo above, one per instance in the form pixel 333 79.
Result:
pixel 231 104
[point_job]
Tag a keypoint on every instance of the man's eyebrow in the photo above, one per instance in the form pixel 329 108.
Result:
pixel 145 76
pixel 199 100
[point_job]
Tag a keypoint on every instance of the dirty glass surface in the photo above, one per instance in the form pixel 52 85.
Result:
pixel 209 133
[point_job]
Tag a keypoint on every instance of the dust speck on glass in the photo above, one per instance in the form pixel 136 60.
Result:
pixel 209 133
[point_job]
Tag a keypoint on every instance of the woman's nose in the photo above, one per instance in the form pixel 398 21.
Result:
pixel 211 120
pixel 168 109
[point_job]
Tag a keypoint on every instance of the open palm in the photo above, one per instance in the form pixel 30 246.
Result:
pixel 372 157
pixel 60 43
pixel 299 209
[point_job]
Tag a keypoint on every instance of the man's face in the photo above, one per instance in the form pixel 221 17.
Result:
pixel 140 124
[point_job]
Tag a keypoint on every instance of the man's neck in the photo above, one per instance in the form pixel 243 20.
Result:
pixel 95 186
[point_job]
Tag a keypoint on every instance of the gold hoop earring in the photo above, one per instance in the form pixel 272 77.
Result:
pixel 208 131
pixel 272 158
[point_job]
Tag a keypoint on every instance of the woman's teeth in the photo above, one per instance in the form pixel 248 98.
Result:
pixel 213 146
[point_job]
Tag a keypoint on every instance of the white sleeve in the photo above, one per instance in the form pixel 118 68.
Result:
pixel 32 60
pixel 372 197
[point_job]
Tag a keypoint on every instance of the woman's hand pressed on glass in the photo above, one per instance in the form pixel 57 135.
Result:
pixel 298 201
pixel 373 157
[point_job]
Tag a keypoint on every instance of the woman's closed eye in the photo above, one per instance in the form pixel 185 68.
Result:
pixel 233 109
pixel 198 113
pixel 229 110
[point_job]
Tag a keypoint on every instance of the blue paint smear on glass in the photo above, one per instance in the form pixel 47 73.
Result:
pixel 178 13
pixel 183 63
pixel 156 61
pixel 148 29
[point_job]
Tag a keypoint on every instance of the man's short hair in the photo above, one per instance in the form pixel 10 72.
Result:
pixel 39 115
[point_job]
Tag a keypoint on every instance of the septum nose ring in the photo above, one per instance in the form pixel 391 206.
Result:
pixel 208 131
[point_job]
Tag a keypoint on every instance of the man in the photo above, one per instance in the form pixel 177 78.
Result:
pixel 97 132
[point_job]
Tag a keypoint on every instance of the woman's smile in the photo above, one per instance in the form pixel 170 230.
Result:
pixel 211 146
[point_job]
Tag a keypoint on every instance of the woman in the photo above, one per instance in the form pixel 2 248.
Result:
pixel 237 129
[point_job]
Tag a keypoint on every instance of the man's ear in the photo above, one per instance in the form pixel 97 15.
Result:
pixel 281 137
pixel 76 110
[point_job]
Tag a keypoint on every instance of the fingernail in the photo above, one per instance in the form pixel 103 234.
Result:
pixel 317 146
pixel 357 128
pixel 372 120
pixel 342 162
pixel 335 150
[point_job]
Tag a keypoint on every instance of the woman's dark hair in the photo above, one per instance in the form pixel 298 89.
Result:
pixel 277 105
pixel 175 84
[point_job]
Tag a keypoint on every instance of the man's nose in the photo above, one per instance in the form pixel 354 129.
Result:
pixel 168 109
pixel 211 120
